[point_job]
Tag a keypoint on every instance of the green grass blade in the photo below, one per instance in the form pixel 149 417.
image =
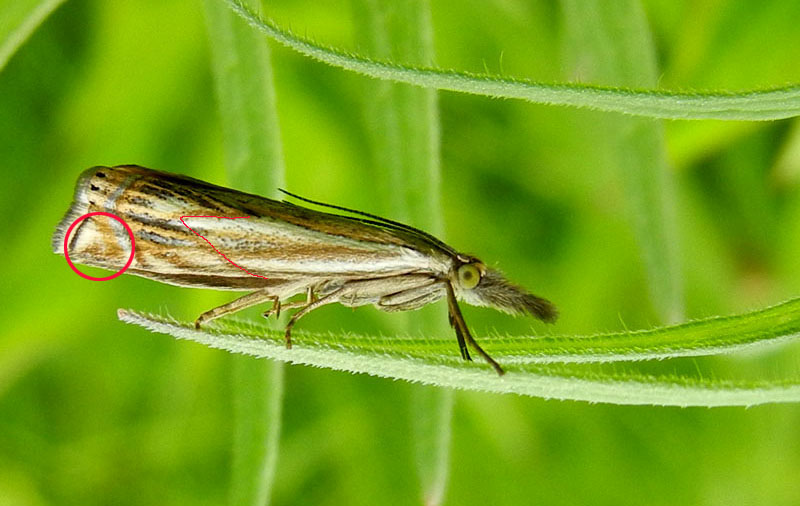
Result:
pixel 257 407
pixel 528 359
pixel 18 20
pixel 749 105
pixel 254 161
pixel 246 94
pixel 432 412
pixel 709 336
pixel 404 141
pixel 611 43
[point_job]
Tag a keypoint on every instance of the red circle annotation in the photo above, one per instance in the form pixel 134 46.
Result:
pixel 109 215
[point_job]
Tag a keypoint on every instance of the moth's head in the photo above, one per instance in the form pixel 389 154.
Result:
pixel 478 285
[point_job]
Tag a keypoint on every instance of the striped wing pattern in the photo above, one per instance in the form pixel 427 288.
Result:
pixel 176 220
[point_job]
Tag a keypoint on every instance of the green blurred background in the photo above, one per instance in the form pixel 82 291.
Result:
pixel 93 411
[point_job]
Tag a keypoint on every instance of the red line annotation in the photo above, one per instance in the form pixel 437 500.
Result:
pixel 214 247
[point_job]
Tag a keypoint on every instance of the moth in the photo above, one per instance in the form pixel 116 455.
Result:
pixel 191 233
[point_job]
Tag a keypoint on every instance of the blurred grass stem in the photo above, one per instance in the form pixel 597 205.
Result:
pixel 254 161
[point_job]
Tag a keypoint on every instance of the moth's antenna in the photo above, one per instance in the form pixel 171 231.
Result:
pixel 380 220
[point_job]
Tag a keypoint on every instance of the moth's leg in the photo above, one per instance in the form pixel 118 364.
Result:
pixel 462 345
pixel 389 291
pixel 462 332
pixel 277 306
pixel 414 298
pixel 314 304
pixel 282 306
pixel 251 299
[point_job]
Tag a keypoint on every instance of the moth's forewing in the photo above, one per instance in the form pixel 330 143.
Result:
pixel 176 220
pixel 265 245
pixel 100 241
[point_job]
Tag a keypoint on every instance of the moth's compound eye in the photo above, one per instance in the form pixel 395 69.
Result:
pixel 468 276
